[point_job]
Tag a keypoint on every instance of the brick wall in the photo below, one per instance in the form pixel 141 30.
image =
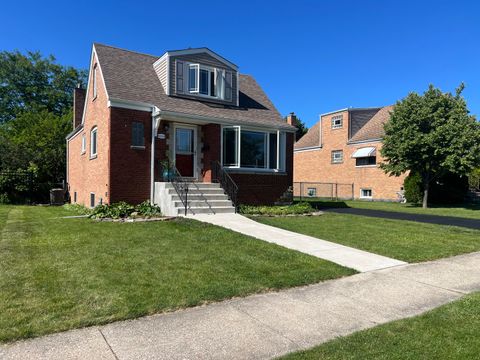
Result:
pixel 316 166
pixel 85 174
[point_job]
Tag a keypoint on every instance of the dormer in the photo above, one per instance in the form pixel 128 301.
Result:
pixel 198 74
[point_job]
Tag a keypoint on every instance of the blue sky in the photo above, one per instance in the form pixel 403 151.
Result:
pixel 309 56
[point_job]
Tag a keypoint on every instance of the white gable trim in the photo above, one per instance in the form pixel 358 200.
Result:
pixel 199 51
pixel 93 55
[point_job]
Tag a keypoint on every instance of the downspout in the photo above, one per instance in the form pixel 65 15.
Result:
pixel 152 159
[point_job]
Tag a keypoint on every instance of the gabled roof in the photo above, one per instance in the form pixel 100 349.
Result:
pixel 206 50
pixel 369 120
pixel 373 128
pixel 130 76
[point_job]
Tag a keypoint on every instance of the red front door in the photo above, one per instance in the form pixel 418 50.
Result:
pixel 185 151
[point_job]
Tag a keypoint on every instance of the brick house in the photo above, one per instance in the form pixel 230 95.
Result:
pixel 190 109
pixel 344 148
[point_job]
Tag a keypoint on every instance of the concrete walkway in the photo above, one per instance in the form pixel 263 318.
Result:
pixel 267 325
pixel 423 218
pixel 350 257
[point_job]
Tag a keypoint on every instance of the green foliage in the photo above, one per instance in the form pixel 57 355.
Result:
pixel 147 209
pixel 295 209
pixel 431 134
pixel 18 186
pixel 77 209
pixel 122 210
pixel 474 179
pixel 31 82
pixel 413 188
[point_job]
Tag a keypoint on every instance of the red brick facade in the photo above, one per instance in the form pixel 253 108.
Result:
pixel 316 166
pixel 121 172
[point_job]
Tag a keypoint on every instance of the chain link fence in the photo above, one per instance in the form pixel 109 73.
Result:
pixel 321 190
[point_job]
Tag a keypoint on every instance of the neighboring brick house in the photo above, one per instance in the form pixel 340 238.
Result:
pixel 344 148
pixel 189 106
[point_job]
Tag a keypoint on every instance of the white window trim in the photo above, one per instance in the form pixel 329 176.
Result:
pixel 337 117
pixel 366 197
pixel 281 168
pixel 94 131
pixel 334 161
pixel 210 69
pixel 84 144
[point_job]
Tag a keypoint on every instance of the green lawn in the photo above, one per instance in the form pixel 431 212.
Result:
pixel 403 240
pixel 448 332
pixel 467 211
pixel 57 274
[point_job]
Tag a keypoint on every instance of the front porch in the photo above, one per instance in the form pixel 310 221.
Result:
pixel 212 158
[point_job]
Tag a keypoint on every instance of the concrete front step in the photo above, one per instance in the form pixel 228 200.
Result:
pixel 195 185
pixel 204 203
pixel 206 210
pixel 204 191
pixel 209 197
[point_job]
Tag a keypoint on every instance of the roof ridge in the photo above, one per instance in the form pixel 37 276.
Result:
pixel 122 49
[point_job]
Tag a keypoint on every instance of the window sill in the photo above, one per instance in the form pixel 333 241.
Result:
pixel 254 171
pixel 337 163
pixel 365 166
pixel 137 147
pixel 93 157
pixel 83 153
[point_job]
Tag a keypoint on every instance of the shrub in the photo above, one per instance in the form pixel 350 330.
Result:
pixel 413 188
pixel 147 209
pixel 123 210
pixel 118 210
pixel 296 209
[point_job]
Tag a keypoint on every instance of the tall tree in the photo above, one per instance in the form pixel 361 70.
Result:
pixel 31 82
pixel 431 134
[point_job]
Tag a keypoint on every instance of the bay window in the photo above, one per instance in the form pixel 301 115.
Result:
pixel 253 149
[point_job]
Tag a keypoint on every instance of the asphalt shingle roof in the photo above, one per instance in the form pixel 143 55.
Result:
pixel 130 76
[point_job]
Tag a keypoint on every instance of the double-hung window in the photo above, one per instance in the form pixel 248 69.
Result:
pixel 337 121
pixel 253 149
pixel 93 143
pixel 138 135
pixel 206 81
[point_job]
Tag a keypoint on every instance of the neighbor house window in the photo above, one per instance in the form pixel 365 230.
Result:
pixel 206 81
pixel 138 134
pixel 312 192
pixel 93 143
pixel 94 81
pixel 366 161
pixel 92 200
pixel 365 193
pixel 84 143
pixel 337 121
pixel 253 149
pixel 337 156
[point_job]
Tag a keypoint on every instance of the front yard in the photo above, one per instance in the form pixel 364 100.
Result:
pixel 471 211
pixel 402 240
pixel 449 332
pixel 58 274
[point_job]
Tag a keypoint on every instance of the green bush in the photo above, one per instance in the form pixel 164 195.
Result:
pixel 296 209
pixel 123 210
pixel 147 209
pixel 413 188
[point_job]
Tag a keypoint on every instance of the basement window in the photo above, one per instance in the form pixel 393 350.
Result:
pixel 365 193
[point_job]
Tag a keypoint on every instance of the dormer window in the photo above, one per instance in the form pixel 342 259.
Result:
pixel 206 81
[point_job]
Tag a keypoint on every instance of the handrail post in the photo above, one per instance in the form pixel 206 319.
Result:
pixel 186 199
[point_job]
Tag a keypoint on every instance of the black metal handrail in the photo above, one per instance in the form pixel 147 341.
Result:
pixel 226 182
pixel 181 187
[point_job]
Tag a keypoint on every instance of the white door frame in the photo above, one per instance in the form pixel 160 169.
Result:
pixel 195 153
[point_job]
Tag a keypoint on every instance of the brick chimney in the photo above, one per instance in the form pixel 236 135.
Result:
pixel 78 103
pixel 292 119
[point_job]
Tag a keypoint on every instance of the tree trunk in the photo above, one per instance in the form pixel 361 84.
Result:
pixel 426 186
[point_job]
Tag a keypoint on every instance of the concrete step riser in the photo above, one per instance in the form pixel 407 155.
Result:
pixel 201 198
pixel 207 211
pixel 200 192
pixel 200 185
pixel 212 204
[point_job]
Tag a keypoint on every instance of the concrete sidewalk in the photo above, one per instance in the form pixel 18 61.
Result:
pixel 343 255
pixel 267 325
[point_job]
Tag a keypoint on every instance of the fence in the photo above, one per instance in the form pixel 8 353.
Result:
pixel 332 191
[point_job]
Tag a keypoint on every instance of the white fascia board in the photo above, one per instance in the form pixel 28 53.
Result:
pixel 133 105
pixel 201 119
pixel 333 112
pixel 94 54
pixel 199 51
pixel 310 148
